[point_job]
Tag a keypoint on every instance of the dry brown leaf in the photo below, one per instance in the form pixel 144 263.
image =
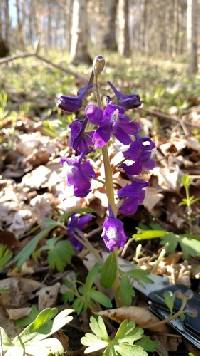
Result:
pixel 15 314
pixel 15 292
pixel 6 323
pixel 152 197
pixel 48 296
pixel 141 316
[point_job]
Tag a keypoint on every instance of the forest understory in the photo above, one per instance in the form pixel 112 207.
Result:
pixel 36 204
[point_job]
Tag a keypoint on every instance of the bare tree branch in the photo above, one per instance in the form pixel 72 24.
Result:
pixel 43 59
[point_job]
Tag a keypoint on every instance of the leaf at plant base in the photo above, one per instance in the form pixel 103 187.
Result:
pixel 109 271
pixel 133 350
pixel 100 298
pixel 93 343
pixel 5 256
pixel 169 299
pixel 98 327
pixel 150 234
pixel 140 275
pixel 99 339
pixel 141 316
pixel 60 254
pixel 43 326
pixel 128 333
pixel 50 346
pixel 190 247
pixel 5 340
pixel 125 292
pixel 29 248
pixel 147 344
pixel 29 318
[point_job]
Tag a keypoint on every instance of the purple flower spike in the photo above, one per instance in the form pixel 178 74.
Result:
pixel 133 195
pixel 113 232
pixel 139 152
pixel 73 103
pixel 114 122
pixel 77 222
pixel 94 114
pixel 79 174
pixel 128 101
pixel 80 140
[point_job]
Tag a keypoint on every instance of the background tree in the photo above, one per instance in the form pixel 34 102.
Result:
pixel 123 23
pixel 79 33
pixel 192 35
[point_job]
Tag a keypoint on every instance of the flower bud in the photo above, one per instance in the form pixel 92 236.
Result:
pixel 98 65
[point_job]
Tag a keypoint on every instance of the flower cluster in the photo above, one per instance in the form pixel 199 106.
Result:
pixel 105 123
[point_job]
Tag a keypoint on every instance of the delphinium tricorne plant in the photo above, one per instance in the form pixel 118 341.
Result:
pixel 96 129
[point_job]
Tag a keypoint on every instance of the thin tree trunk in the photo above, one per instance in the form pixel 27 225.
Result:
pixel 110 38
pixel 7 20
pixel 124 39
pixel 192 35
pixel 79 35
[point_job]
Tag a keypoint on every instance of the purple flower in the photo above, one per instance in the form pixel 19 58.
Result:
pixel 77 222
pixel 79 173
pixel 111 120
pixel 128 101
pixel 80 140
pixel 73 103
pixel 133 195
pixel 94 114
pixel 139 154
pixel 113 232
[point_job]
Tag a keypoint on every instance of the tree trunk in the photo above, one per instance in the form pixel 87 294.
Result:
pixel 192 35
pixel 7 20
pixel 79 33
pixel 110 38
pixel 19 24
pixel 124 40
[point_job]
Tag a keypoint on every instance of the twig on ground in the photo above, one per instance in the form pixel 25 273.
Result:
pixel 43 59
pixel 162 115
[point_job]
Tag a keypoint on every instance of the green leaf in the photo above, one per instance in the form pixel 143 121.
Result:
pixel 98 327
pixel 100 298
pixel 128 333
pixel 91 277
pixel 28 250
pixel 133 350
pixel 99 339
pixel 29 318
pixel 46 347
pixel 43 326
pixel 125 292
pixel 60 254
pixel 79 305
pixel 5 256
pixel 109 271
pixel 169 299
pixel 150 234
pixel 140 275
pixel 170 242
pixel 186 181
pixel 4 338
pixel 147 344
pixel 190 247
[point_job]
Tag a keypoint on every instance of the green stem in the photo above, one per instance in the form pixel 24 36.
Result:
pixel 106 162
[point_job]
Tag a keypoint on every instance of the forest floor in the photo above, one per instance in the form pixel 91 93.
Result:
pixel 35 203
